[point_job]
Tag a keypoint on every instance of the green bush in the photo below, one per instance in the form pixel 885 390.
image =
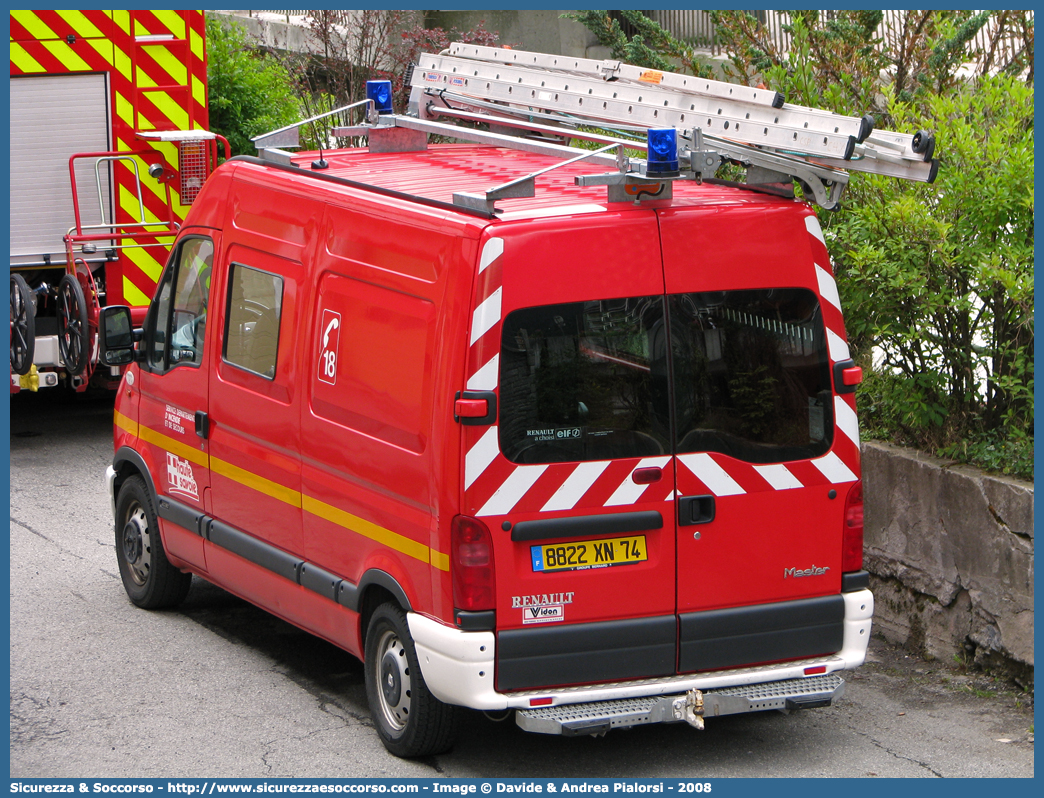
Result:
pixel 249 92
pixel 936 279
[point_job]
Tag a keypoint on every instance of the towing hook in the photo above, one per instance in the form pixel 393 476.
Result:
pixel 689 708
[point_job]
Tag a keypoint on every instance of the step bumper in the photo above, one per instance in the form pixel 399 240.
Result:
pixel 599 717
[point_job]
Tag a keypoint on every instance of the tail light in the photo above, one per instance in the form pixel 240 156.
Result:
pixel 852 535
pixel 471 565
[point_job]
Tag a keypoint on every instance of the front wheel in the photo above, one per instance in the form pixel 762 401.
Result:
pixel 411 722
pixel 150 580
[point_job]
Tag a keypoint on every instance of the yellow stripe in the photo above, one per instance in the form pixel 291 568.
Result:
pixel 21 59
pixel 121 18
pixel 32 23
pixel 122 62
pixel 124 109
pixel 79 23
pixel 367 529
pixel 196 44
pixel 251 480
pixel 199 91
pixel 143 80
pixel 174 22
pixel 177 71
pixel 173 112
pixel 147 263
pixel 174 447
pixel 125 423
pixel 64 53
pixel 353 523
pixel 132 295
pixel 103 47
pixel 440 560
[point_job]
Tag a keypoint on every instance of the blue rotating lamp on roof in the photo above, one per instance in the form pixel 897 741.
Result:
pixel 662 158
pixel 380 91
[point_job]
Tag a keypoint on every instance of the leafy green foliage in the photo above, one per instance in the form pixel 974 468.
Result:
pixel 650 46
pixel 249 92
pixel 936 279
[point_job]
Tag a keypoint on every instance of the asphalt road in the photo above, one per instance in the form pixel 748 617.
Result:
pixel 218 688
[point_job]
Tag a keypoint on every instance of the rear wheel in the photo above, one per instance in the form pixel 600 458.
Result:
pixel 23 326
pixel 409 719
pixel 150 580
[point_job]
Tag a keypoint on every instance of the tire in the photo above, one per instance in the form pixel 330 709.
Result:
pixel 73 336
pixel 410 721
pixel 23 326
pixel 151 582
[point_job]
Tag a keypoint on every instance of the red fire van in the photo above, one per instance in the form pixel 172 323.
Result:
pixel 595 462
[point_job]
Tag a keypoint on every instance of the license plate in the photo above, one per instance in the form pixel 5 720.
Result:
pixel 589 554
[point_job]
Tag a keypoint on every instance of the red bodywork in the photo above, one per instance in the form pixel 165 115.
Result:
pixel 351 459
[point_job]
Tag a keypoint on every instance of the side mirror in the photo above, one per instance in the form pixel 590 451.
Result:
pixel 116 336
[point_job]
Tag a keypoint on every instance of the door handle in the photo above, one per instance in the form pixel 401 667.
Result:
pixel 695 510
pixel 202 424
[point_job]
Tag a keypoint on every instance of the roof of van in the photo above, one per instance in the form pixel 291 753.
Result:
pixel 443 169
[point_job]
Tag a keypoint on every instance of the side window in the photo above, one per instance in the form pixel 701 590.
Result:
pixel 177 320
pixel 255 306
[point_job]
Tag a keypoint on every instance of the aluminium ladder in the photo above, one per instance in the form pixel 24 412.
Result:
pixel 548 99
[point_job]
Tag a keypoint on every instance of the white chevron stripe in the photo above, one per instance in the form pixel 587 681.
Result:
pixel 493 249
pixel 628 491
pixel 837 347
pixel 711 474
pixel 575 486
pixel 846 420
pixel 486 315
pixel 480 456
pixel 827 287
pixel 831 466
pixel 812 225
pixel 513 489
pixel 485 379
pixel 779 477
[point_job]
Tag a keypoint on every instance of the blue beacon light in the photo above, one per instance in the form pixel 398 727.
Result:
pixel 380 92
pixel 663 152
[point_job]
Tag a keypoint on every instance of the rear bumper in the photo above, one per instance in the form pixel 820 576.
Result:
pixel 458 667
pixel 599 717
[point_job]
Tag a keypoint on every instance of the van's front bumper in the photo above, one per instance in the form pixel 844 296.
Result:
pixel 458 668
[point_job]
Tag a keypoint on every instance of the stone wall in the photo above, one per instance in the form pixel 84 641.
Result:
pixel 950 551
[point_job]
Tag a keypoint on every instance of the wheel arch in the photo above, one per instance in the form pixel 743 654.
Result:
pixel 128 463
pixel 375 588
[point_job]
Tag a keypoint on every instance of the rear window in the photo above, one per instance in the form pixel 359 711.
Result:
pixel 751 374
pixel 591 380
pixel 585 381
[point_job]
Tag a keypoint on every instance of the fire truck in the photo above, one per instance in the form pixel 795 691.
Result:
pixel 109 147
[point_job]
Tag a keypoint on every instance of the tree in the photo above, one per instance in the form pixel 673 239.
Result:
pixel 249 91
pixel 649 46
pixel 936 280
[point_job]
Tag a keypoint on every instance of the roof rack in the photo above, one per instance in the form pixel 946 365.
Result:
pixel 538 102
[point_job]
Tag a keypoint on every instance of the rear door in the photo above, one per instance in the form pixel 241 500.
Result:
pixel 765 451
pixel 576 480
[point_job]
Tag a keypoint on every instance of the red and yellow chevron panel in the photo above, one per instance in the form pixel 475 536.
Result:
pixel 155 61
